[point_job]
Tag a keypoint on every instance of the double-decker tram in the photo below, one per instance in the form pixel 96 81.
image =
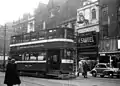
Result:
pixel 47 52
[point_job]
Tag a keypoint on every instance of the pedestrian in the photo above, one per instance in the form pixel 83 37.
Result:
pixel 85 69
pixel 80 67
pixel 11 74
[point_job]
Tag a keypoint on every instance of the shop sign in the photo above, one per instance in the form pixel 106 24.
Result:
pixel 87 39
pixel 102 54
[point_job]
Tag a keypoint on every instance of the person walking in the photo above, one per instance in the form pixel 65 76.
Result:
pixel 85 69
pixel 11 74
pixel 80 67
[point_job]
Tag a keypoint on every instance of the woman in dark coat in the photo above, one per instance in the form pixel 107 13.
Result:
pixel 11 74
pixel 85 69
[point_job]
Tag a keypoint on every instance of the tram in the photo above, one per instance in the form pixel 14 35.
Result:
pixel 46 52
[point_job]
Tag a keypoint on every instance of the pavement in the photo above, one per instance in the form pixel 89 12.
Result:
pixel 78 81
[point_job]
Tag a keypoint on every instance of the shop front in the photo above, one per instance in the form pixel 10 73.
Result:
pixel 109 51
pixel 87 45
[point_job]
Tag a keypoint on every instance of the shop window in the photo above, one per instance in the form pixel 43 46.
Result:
pixel 93 13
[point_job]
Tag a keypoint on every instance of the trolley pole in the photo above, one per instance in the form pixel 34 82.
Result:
pixel 4 51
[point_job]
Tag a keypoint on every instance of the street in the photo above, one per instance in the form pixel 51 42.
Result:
pixel 79 81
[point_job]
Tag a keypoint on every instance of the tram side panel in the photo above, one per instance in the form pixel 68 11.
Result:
pixel 66 66
pixel 33 67
pixel 27 65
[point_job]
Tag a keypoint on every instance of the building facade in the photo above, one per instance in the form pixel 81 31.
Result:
pixel 87 27
pixel 109 31
pixel 24 25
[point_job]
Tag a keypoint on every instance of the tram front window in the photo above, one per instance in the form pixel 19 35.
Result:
pixel 69 54
pixel 55 58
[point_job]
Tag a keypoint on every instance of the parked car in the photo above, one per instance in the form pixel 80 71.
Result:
pixel 104 69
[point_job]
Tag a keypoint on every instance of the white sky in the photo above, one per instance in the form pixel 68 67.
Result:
pixel 14 9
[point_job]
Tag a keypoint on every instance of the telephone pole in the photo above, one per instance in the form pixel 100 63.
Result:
pixel 4 51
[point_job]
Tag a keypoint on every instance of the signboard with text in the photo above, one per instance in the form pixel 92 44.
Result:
pixel 87 39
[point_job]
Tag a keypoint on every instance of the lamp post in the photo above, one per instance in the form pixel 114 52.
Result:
pixel 4 51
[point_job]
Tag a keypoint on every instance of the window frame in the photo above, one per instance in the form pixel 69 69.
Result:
pixel 94 13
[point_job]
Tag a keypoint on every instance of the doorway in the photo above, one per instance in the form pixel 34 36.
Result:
pixel 53 60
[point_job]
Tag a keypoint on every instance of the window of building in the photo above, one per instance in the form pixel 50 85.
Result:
pixel 105 12
pixel 105 31
pixel 93 13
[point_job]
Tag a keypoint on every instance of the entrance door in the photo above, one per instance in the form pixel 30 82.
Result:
pixel 53 60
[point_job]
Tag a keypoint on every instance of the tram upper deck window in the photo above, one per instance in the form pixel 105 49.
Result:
pixel 51 34
pixel 19 38
pixel 13 38
pixel 16 39
pixel 34 36
pixel 60 33
pixel 26 57
pixel 33 58
pixel 42 35
pixel 26 37
pixel 70 34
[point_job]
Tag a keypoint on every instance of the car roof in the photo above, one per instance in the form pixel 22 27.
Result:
pixel 102 63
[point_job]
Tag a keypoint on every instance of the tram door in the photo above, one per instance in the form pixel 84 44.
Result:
pixel 53 60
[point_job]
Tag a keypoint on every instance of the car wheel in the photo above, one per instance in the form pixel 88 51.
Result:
pixel 94 74
pixel 101 76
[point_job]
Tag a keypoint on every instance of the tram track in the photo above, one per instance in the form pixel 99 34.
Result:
pixel 45 82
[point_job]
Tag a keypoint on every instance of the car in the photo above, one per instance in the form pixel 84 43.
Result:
pixel 104 69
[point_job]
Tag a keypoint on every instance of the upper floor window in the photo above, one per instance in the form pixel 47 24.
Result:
pixel 105 11
pixel 93 13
